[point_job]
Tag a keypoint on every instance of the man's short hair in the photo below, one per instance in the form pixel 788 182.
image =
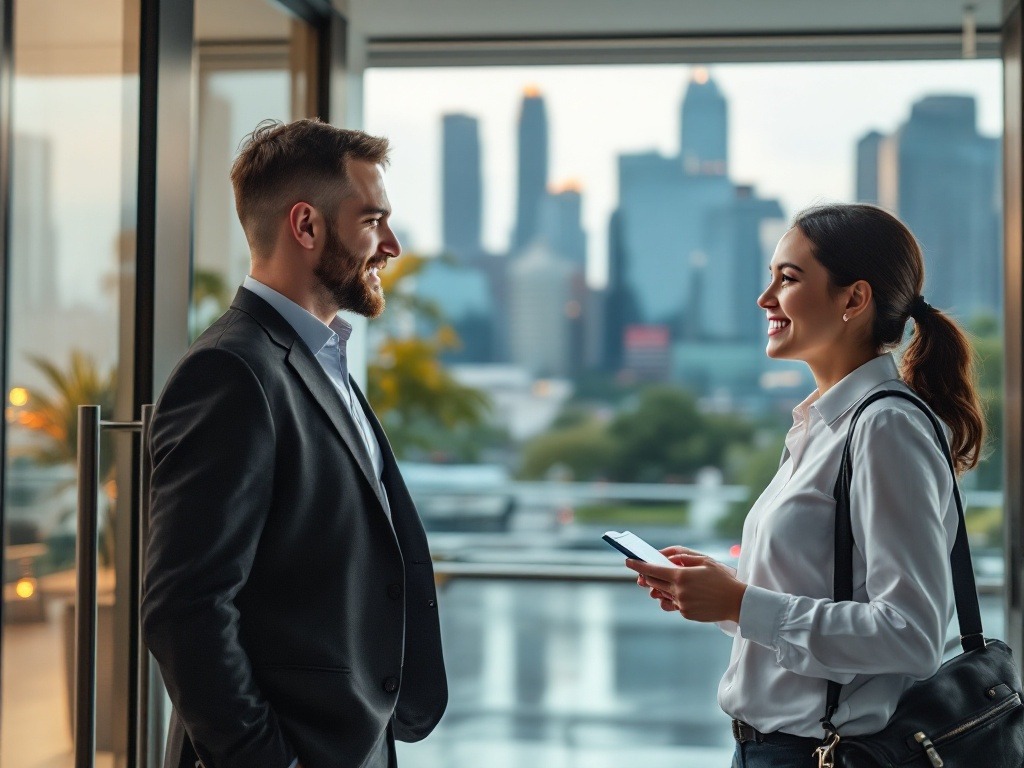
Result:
pixel 280 164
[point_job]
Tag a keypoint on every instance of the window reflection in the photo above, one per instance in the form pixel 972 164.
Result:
pixel 72 245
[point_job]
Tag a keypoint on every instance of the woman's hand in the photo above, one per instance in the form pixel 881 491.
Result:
pixel 701 589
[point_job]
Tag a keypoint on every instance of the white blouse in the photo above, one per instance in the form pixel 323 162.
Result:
pixel 791 635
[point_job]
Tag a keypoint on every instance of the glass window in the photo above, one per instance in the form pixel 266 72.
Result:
pixel 259 70
pixel 72 257
pixel 584 247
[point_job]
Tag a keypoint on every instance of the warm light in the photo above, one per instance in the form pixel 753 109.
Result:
pixel 18 396
pixel 531 91
pixel 25 588
pixel 700 75
pixel 569 185
pixel 734 550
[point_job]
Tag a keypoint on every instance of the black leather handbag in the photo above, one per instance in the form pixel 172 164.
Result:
pixel 969 714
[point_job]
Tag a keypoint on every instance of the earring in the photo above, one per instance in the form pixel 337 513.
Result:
pixel 846 318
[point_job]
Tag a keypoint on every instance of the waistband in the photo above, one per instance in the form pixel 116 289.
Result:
pixel 744 732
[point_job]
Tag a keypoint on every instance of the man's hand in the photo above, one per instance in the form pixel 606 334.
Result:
pixel 701 589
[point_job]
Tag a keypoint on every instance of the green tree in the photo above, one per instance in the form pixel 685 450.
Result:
pixel 752 465
pixel 54 417
pixel 664 436
pixel 988 348
pixel 55 414
pixel 584 449
pixel 210 298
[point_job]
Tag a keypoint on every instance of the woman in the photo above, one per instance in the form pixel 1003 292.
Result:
pixel 844 282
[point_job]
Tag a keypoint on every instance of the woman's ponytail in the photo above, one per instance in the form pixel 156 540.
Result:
pixel 939 366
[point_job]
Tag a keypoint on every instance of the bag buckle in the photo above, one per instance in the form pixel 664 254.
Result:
pixel 826 752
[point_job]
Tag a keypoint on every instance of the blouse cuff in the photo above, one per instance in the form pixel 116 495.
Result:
pixel 761 614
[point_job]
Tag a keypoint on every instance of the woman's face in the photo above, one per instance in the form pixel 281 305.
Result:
pixel 805 316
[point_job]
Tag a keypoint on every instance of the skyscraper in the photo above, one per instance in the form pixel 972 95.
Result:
pixel 704 128
pixel 462 196
pixel 868 161
pixel 943 181
pixel 619 304
pixel 33 236
pixel 726 309
pixel 689 237
pixel 540 306
pixel 562 225
pixel 533 168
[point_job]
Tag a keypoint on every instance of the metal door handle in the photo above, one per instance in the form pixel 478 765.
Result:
pixel 89 430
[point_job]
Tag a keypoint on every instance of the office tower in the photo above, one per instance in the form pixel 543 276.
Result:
pixel 540 307
pixel 733 274
pixel 947 191
pixel 462 197
pixel 868 161
pixel 685 228
pixel 462 291
pixel 562 225
pixel 618 303
pixel 704 127
pixel 663 212
pixel 533 168
pixel 33 234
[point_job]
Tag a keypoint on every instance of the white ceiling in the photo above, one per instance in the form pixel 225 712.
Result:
pixel 502 18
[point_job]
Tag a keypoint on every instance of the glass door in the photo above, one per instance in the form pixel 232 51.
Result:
pixel 81 180
pixel 74 161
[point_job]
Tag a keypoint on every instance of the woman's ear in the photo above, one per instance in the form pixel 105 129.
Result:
pixel 858 298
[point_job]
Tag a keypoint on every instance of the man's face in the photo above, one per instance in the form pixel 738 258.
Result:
pixel 359 242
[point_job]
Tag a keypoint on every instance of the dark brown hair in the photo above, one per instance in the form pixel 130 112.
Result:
pixel 280 164
pixel 862 242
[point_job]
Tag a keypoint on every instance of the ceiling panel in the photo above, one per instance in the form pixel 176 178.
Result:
pixel 502 18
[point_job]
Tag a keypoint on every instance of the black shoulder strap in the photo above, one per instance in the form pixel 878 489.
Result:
pixel 964 589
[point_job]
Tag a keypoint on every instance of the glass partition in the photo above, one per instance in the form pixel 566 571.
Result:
pixel 248 72
pixel 572 346
pixel 72 259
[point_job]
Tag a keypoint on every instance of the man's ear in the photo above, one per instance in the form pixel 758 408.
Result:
pixel 858 298
pixel 304 225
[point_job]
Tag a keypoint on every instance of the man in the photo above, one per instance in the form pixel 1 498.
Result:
pixel 289 594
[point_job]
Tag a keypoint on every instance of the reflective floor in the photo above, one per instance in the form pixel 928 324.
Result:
pixel 36 692
pixel 542 675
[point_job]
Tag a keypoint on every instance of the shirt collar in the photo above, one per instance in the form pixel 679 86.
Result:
pixel 308 326
pixel 852 388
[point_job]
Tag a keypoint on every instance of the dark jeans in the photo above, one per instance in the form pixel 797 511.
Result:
pixel 750 754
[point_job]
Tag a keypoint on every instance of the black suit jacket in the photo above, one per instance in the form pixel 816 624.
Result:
pixel 289 616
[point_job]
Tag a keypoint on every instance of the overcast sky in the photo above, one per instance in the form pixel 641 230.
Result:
pixel 792 129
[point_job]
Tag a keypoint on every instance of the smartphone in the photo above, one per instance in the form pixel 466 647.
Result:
pixel 633 546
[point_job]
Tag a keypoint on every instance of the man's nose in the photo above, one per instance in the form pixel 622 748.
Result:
pixel 390 245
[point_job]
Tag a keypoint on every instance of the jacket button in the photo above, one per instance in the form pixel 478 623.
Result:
pixel 431 603
pixel 390 684
pixel 394 591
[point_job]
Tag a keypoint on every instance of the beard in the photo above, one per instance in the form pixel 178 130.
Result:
pixel 343 277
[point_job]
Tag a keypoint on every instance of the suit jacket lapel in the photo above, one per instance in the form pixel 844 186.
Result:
pixel 306 367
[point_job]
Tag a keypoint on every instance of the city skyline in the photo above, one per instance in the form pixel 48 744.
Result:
pixel 795 143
